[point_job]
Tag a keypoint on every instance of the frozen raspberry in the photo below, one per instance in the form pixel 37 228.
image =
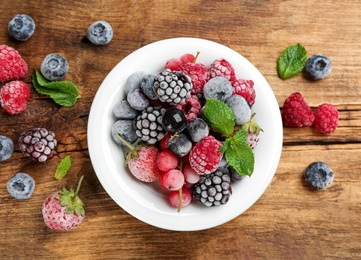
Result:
pixel 326 118
pixel 204 157
pixel 12 66
pixel 13 96
pixel 296 112
pixel 244 88
pixel 223 68
pixel 172 64
pixel 198 74
pixel 191 108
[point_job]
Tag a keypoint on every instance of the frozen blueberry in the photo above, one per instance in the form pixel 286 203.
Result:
pixel 125 129
pixel 147 86
pixel 137 99
pixel 240 108
pixel 218 88
pixel 197 129
pixel 21 27
pixel 317 67
pixel 319 175
pixel 6 148
pixel 235 176
pixel 21 186
pixel 180 145
pixel 223 165
pixel 123 110
pixel 100 33
pixel 133 81
pixel 54 67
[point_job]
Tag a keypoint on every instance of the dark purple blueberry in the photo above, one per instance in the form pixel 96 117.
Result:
pixel 180 145
pixel 123 110
pixel 197 129
pixel 137 99
pixel 174 120
pixel 147 86
pixel 21 27
pixel 235 176
pixel 125 129
pixel 319 175
pixel 317 67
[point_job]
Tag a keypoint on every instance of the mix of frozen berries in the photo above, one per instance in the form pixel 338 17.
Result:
pixel 166 136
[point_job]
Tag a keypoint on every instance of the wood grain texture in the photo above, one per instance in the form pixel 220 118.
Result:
pixel 289 221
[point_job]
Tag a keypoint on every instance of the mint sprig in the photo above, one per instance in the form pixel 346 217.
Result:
pixel 63 168
pixel 291 61
pixel 64 93
pixel 237 152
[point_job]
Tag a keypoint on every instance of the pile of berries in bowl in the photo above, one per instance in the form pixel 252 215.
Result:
pixel 176 134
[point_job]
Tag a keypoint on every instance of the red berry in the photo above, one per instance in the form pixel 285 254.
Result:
pixel 13 96
pixel 244 88
pixel 173 179
pixel 190 175
pixel 187 58
pixel 174 198
pixel 223 68
pixel 191 108
pixel 204 157
pixel 326 118
pixel 167 160
pixel 198 74
pixel 144 165
pixel 163 143
pixel 12 66
pixel 296 112
pixel 172 64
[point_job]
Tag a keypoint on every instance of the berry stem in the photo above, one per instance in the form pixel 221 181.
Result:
pixel 131 147
pixel 196 57
pixel 180 200
pixel 79 184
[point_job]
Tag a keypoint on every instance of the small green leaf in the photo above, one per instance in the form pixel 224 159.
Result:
pixel 239 154
pixel 63 168
pixel 292 61
pixel 219 116
pixel 64 93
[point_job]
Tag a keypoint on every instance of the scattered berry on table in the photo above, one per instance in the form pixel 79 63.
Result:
pixel 137 99
pixel 167 160
pixel 326 118
pixel 296 112
pixel 240 108
pixel 12 66
pixel 63 210
pixel 197 129
pixel 173 179
pixel 174 198
pixel 14 95
pixel 172 87
pixel 21 27
pixel 122 110
pixel 218 88
pixel 198 74
pixel 148 125
pixel 213 189
pixel 319 175
pixel 204 157
pixel 124 128
pixel 317 67
pixel 147 86
pixel 54 67
pixel 245 88
pixel 38 144
pixel 134 81
pixel 174 120
pixel 253 131
pixel 6 148
pixel 187 57
pixel 179 144
pixel 21 186
pixel 222 68
pixel 100 33
pixel 172 64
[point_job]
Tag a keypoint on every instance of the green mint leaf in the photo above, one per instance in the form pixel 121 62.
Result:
pixel 64 93
pixel 63 168
pixel 239 154
pixel 219 116
pixel 292 61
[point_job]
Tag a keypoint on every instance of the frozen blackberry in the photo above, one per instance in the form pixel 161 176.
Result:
pixel 180 145
pixel 38 144
pixel 172 87
pixel 100 33
pixel 21 186
pixel 213 189
pixel 319 175
pixel 54 67
pixel 148 125
pixel 6 148
pixel 125 129
pixel 21 27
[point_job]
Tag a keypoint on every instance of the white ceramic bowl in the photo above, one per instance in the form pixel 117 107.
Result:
pixel 148 202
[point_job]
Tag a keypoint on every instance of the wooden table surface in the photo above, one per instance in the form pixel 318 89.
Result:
pixel 290 221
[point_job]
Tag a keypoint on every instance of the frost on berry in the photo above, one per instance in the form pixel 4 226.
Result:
pixel 296 112
pixel 12 66
pixel 222 68
pixel 244 88
pixel 13 96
